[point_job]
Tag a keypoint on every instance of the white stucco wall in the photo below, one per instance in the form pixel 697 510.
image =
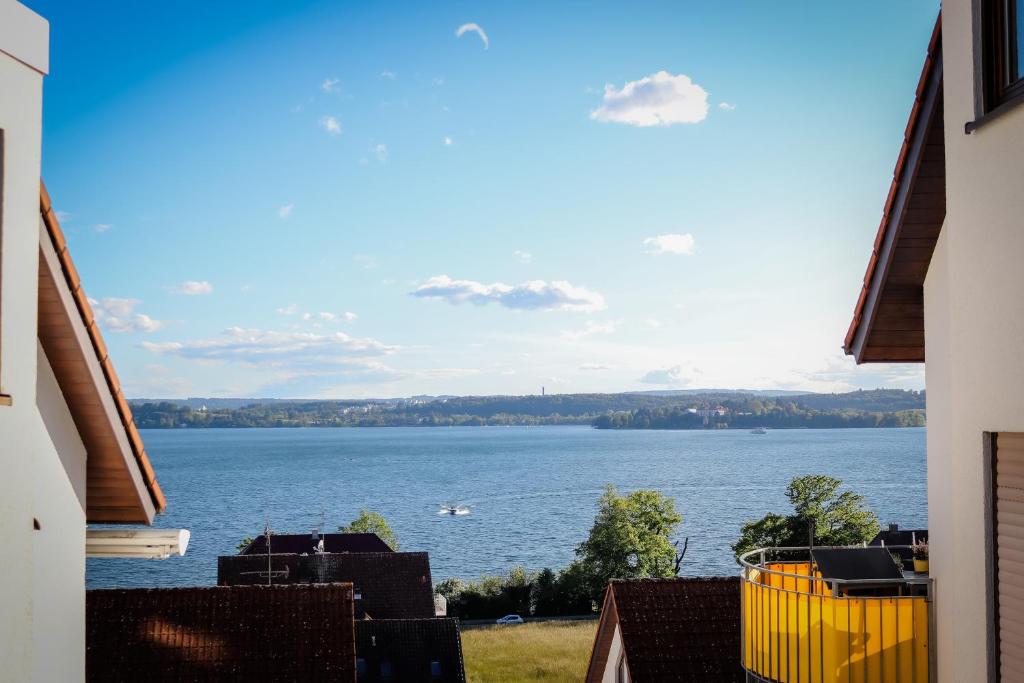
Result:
pixel 21 435
pixel 974 330
pixel 58 590
pixel 42 595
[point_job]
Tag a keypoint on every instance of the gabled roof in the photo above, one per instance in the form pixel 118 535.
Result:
pixel 672 629
pixel 389 585
pixel 120 483
pixel 304 543
pixel 244 633
pixel 888 320
pixel 410 647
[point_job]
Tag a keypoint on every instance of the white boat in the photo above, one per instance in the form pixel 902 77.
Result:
pixel 447 509
pixel 759 430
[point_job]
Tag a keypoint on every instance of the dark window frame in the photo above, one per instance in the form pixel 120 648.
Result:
pixel 996 51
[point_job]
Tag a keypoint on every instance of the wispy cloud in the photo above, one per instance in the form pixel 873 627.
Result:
pixel 290 309
pixel 331 124
pixel 725 106
pixel 522 256
pixel 381 152
pixel 671 244
pixel 63 216
pixel 327 316
pixel 278 349
pixel 118 315
pixel 447 141
pixel 676 376
pixel 532 295
pixel 590 328
pixel 366 261
pixel 660 99
pixel 390 75
pixel 102 227
pixel 436 82
pixel 475 28
pixel 285 211
pixel 193 288
pixel 653 323
pixel 595 366
pixel 331 85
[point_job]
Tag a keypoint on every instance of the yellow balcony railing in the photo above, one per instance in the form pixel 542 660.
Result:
pixel 801 627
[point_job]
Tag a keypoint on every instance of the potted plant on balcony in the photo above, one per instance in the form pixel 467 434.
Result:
pixel 921 557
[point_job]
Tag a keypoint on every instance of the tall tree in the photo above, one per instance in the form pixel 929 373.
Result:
pixel 839 518
pixel 630 537
pixel 369 522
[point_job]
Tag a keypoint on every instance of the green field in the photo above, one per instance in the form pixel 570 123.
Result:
pixel 543 651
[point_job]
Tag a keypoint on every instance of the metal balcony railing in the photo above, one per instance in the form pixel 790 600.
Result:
pixel 800 627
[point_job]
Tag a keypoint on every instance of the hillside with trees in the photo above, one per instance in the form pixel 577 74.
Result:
pixel 875 408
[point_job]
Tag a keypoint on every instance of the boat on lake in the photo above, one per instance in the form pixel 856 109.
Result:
pixel 759 430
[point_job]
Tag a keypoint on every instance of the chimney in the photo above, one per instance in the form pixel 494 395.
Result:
pixel 894 527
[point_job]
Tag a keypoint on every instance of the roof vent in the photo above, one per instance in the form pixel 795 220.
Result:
pixel 894 527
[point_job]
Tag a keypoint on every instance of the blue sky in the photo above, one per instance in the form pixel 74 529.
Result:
pixel 347 199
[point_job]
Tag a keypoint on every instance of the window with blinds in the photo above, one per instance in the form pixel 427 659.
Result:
pixel 1007 470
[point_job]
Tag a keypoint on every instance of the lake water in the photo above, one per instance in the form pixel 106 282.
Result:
pixel 533 490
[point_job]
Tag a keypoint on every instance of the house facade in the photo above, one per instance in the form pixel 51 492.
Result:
pixel 69 449
pixel 945 276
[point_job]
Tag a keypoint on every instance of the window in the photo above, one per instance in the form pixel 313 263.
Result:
pixel 435 669
pixel 387 672
pixel 360 667
pixel 1005 527
pixel 1002 52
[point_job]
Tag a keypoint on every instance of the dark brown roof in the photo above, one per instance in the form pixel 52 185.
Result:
pixel 672 629
pixel 389 585
pixel 415 649
pixel 304 543
pixel 246 633
pixel 888 320
pixel 120 483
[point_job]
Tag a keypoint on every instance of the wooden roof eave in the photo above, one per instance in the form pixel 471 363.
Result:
pixel 106 425
pixel 926 109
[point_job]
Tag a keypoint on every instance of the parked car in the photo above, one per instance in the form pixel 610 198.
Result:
pixel 510 619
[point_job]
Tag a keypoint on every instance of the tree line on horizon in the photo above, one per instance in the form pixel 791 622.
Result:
pixel 867 408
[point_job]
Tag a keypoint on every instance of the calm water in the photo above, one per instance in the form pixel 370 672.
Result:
pixel 533 489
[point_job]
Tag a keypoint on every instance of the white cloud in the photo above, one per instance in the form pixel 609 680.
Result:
pixel 290 309
pixel 596 366
pixel 652 323
pixel 381 152
pixel 725 106
pixel 349 316
pixel 285 211
pixel 366 261
pixel 118 315
pixel 475 28
pixel 447 141
pixel 532 295
pixel 436 82
pixel 660 99
pixel 63 216
pixel 676 376
pixel 671 244
pixel 331 124
pixel 330 85
pixel 193 287
pixel 327 316
pixel 523 256
pixel 590 328
pixel 102 227
pixel 273 348
pixel 390 75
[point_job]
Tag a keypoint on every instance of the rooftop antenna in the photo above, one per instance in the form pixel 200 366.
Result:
pixel 266 535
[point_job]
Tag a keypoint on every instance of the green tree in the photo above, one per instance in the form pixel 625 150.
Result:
pixel 630 537
pixel 244 543
pixel 839 518
pixel 369 522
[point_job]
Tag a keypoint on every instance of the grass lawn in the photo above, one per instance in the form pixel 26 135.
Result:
pixel 543 651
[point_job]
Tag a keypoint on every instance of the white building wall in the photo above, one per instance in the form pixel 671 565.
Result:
pixel 42 595
pixel 975 344
pixel 22 439
pixel 58 591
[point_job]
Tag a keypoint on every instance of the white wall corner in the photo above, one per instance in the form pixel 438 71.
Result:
pixel 24 35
